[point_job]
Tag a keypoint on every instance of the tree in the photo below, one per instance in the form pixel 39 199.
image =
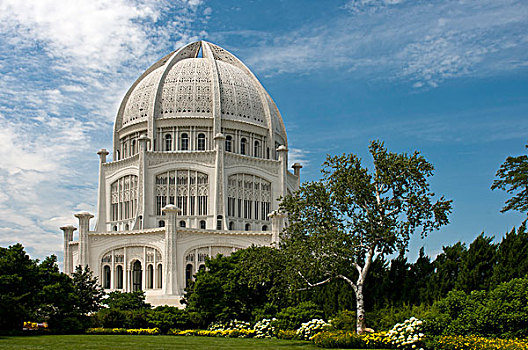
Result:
pixel 353 215
pixel 87 290
pixel 512 177
pixel 476 269
pixel 512 256
pixel 447 268
pixel 127 301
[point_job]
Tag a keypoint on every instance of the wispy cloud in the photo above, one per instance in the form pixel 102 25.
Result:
pixel 64 67
pixel 419 42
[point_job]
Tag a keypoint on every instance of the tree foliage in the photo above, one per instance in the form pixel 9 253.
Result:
pixel 512 177
pixel 354 214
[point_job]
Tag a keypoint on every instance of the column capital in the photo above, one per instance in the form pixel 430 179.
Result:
pixel 83 215
pixel 102 155
pixel 297 168
pixel 219 136
pixel 282 148
pixel 171 209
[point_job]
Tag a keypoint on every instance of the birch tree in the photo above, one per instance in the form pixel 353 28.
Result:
pixel 340 224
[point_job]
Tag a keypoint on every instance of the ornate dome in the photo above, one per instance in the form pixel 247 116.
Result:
pixel 198 81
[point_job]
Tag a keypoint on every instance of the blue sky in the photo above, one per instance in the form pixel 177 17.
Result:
pixel 448 78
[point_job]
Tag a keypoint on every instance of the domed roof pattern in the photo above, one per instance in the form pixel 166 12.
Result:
pixel 216 85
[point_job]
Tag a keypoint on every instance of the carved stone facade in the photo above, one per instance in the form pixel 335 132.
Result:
pixel 199 162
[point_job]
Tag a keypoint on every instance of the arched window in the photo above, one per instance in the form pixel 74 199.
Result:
pixel 127 227
pixel 264 227
pixel 136 276
pixel 106 277
pixel 228 143
pixel 115 227
pixel 125 154
pixel 256 149
pixel 168 142
pixel 267 153
pixel 119 277
pixel 202 224
pixel 184 142
pixel 182 223
pixel 161 223
pixel 118 154
pixel 243 146
pixel 231 226
pixel 150 276
pixel 188 274
pixel 219 222
pixel 133 147
pixel 248 227
pixel 201 268
pixel 160 275
pixel 201 142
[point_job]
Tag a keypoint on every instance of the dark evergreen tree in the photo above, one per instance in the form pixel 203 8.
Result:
pixel 476 268
pixel 512 256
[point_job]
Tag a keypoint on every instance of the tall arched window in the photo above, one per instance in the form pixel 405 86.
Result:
pixel 219 222
pixel 201 142
pixel 150 276
pixel 161 223
pixel 184 142
pixel 168 142
pixel 248 227
pixel 243 143
pixel 182 223
pixel 256 149
pixel 202 224
pixel 106 277
pixel 125 154
pixel 119 277
pixel 133 147
pixel 188 274
pixel 229 143
pixel 136 276
pixel 264 228
pixel 160 276
pixel 231 225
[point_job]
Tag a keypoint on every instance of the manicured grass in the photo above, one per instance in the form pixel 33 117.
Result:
pixel 145 342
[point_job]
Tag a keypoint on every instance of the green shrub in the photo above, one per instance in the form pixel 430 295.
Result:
pixel 339 339
pixel 501 312
pixel 167 317
pixel 293 316
pixel 287 334
pixel 344 320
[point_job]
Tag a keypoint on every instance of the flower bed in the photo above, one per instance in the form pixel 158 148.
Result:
pixel 477 343
pixel 134 331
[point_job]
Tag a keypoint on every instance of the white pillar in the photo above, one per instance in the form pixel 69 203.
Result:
pixel 283 158
pixel 67 266
pixel 170 282
pixel 277 225
pixel 101 196
pixel 84 227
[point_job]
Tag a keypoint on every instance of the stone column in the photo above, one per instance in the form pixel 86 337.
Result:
pixel 297 172
pixel 219 199
pixel 170 259
pixel 67 266
pixel 277 225
pixel 100 226
pixel 142 183
pixel 283 159
pixel 84 227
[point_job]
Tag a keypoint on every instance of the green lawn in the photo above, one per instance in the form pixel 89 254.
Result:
pixel 145 342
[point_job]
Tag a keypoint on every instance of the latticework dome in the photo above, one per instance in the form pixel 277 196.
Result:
pixel 198 81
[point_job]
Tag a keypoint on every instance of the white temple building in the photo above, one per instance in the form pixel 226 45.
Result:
pixel 200 161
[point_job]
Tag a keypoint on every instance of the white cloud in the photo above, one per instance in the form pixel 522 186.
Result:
pixel 419 42
pixel 65 67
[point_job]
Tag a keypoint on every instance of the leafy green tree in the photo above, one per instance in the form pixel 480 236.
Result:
pixel 512 256
pixel 353 215
pixel 87 290
pixel 127 301
pixel 447 267
pixel 476 269
pixel 18 287
pixel 246 284
pixel 512 177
